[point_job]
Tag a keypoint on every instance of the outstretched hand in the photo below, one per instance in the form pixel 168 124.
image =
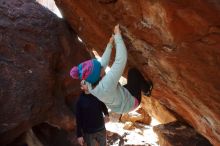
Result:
pixel 117 29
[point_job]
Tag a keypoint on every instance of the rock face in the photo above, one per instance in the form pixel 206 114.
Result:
pixel 51 136
pixel 157 110
pixel 136 116
pixel 37 50
pixel 178 134
pixel 175 43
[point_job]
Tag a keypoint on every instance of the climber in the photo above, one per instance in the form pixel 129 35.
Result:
pixel 106 87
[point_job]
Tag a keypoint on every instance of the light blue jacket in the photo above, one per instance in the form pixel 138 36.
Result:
pixel 109 90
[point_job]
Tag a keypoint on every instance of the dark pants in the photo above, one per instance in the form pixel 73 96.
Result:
pixel 99 137
pixel 137 83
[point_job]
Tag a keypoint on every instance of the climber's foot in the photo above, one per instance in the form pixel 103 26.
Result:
pixel 148 93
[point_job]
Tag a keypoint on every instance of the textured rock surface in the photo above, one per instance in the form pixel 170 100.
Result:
pixel 36 52
pixel 175 43
pixel 51 136
pixel 178 134
pixel 157 110
pixel 137 116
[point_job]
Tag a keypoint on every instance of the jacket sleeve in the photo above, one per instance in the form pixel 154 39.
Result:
pixel 109 83
pixel 104 108
pixel 106 56
pixel 110 80
pixel 78 120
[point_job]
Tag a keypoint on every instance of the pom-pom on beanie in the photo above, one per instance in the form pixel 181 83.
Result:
pixel 88 70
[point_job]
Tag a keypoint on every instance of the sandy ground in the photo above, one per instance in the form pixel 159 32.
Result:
pixel 141 135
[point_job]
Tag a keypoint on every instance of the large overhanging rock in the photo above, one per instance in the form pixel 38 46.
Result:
pixel 175 43
pixel 37 49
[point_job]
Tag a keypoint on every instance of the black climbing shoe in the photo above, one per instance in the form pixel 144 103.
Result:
pixel 148 93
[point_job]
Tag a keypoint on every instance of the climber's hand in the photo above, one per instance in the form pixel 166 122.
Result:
pixel 117 29
pixel 80 140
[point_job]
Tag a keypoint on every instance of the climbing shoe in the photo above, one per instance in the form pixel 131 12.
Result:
pixel 148 93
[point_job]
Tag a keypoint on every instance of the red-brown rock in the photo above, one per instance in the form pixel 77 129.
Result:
pixel 179 134
pixel 37 50
pixel 175 43
pixel 157 110
pixel 139 115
